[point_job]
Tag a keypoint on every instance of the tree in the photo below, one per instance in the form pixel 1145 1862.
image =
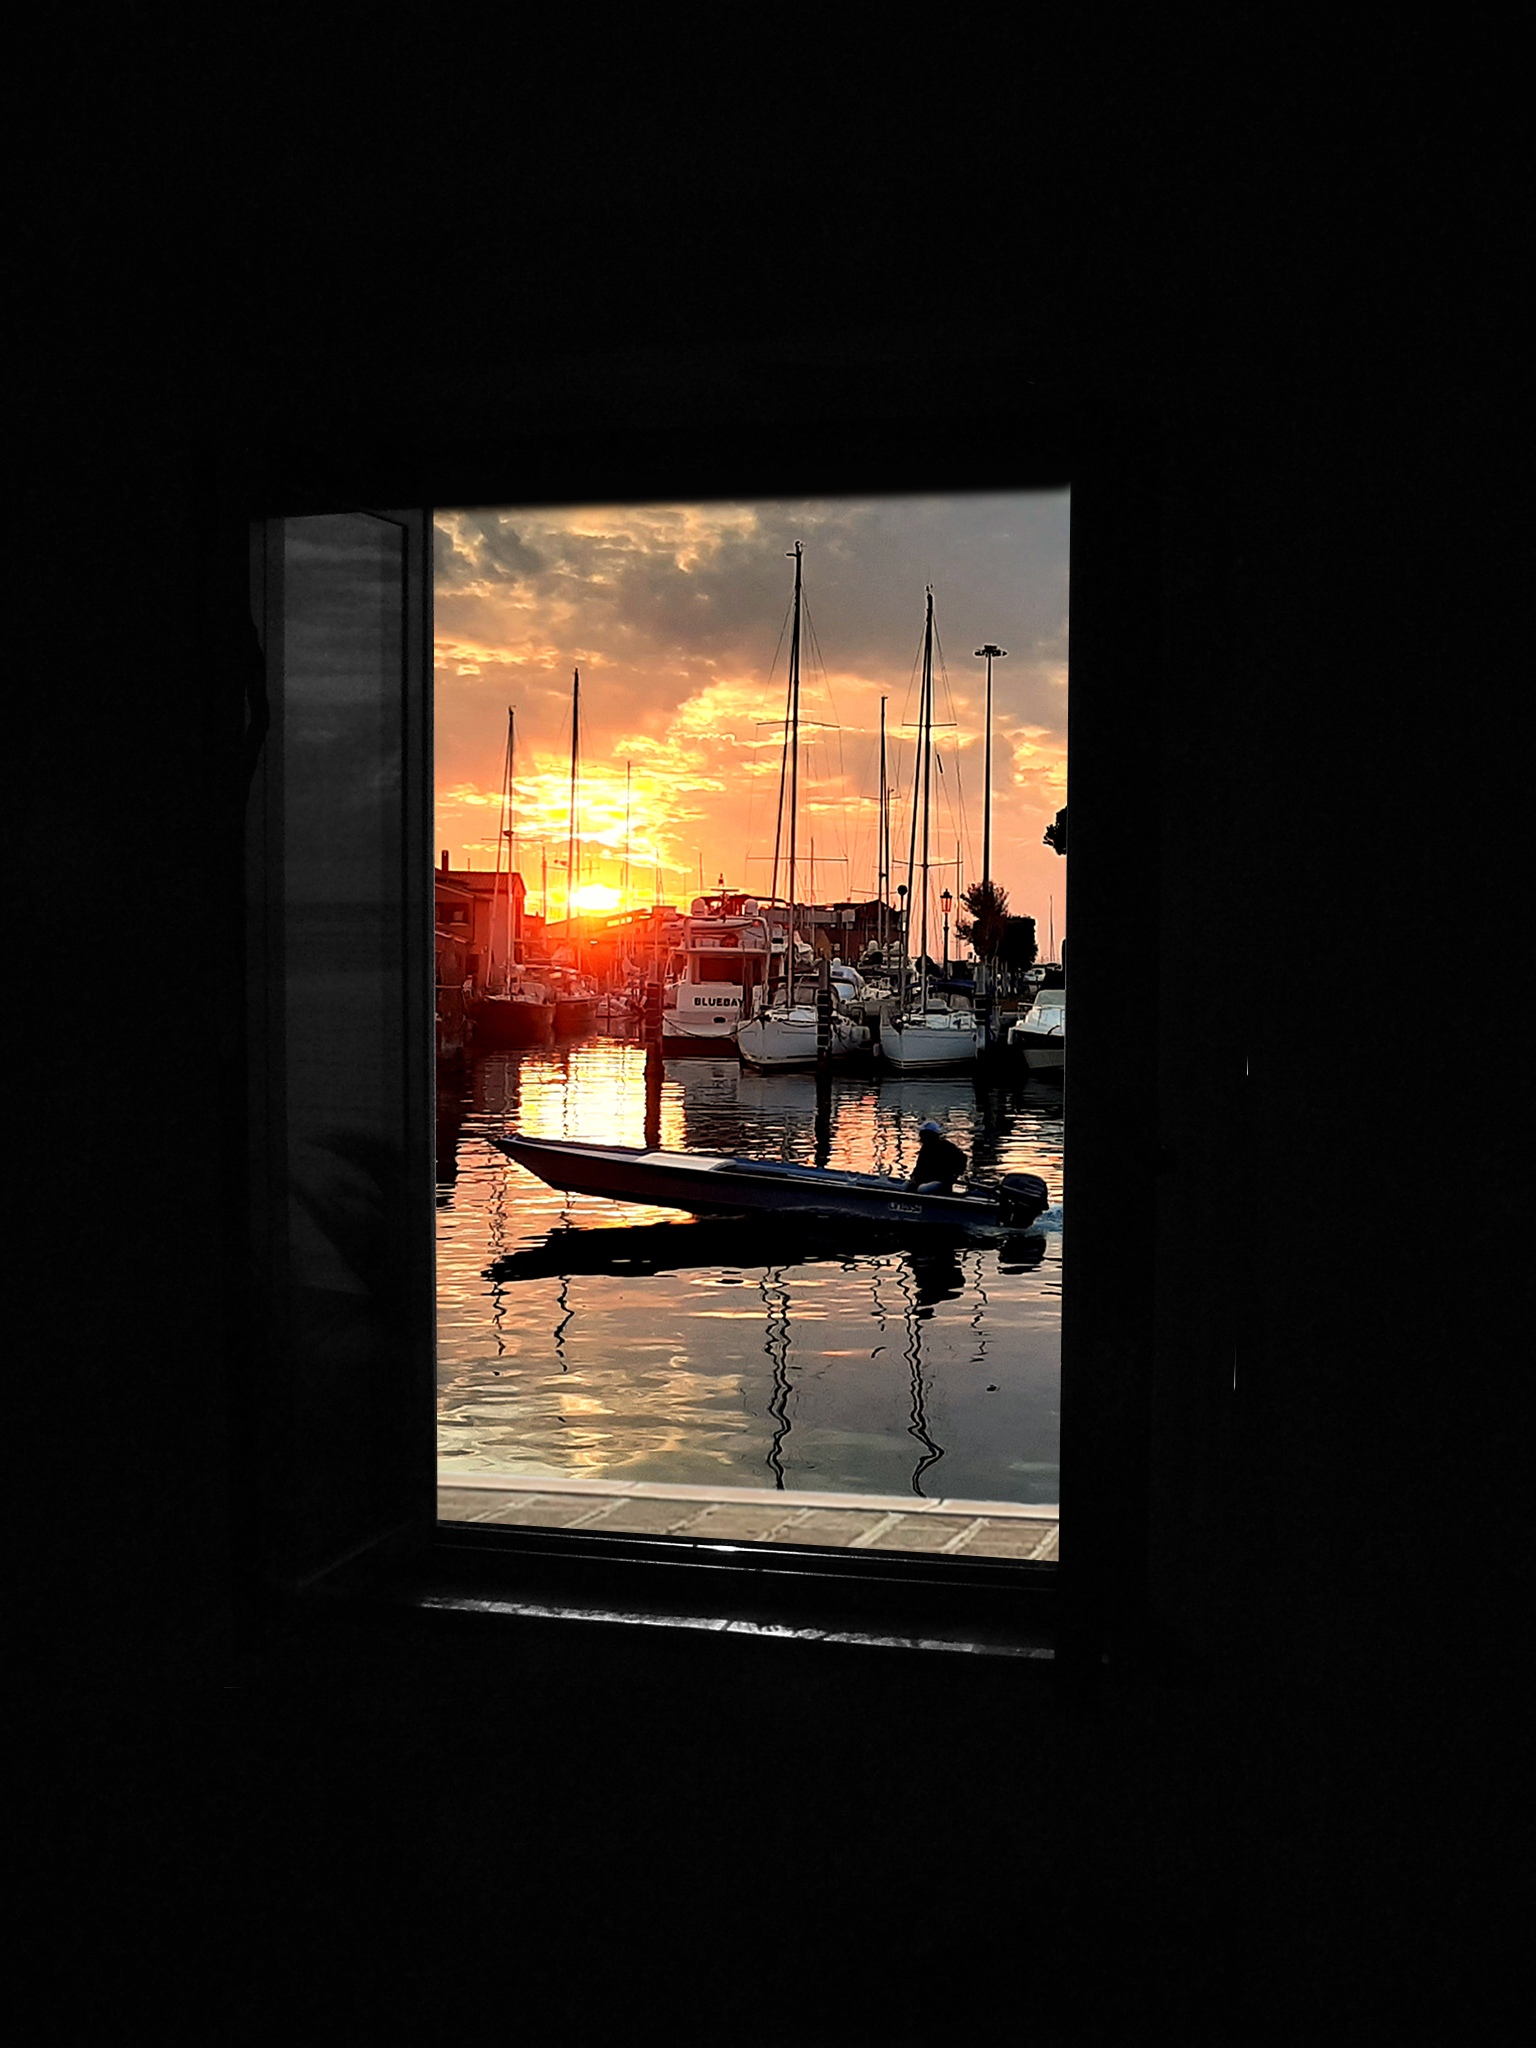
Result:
pixel 1019 948
pixel 983 929
pixel 1056 834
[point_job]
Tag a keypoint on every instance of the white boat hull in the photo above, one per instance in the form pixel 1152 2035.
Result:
pixel 1041 1033
pixel 703 1034
pixel 788 1039
pixel 928 1042
pixel 1040 1055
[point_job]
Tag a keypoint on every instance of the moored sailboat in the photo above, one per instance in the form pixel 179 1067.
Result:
pixel 516 1009
pixel 787 1035
pixel 918 1030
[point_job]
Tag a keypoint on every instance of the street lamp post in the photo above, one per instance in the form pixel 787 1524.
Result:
pixel 983 980
pixel 947 903
pixel 901 919
pixel 992 653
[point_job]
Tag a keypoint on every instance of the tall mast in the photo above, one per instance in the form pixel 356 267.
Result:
pixel 503 840
pixel 882 842
pixel 794 776
pixel 906 909
pixel 570 839
pixel 511 828
pixel 626 835
pixel 927 744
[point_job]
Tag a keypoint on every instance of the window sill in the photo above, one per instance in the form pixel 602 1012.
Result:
pixel 520 1578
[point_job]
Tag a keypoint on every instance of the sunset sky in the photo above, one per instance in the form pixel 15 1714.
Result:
pixel 674 615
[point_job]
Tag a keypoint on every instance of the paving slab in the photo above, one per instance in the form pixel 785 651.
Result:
pixel 921 1532
pixel 451 1480
pixel 631 1517
pixel 834 1528
pixel 466 1504
pixel 540 1511
pixel 756 1515
pixel 1037 1541
pixel 749 1525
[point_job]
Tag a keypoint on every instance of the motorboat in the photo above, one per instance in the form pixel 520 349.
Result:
pixel 1041 1032
pixel 712 1184
pixel 727 950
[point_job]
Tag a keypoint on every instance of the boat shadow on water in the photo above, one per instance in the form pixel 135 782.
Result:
pixel 636 1251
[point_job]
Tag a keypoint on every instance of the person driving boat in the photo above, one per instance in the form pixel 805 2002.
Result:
pixel 939 1163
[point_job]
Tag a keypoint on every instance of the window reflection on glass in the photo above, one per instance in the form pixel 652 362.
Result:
pixel 749 1101
pixel 343 933
pixel 337 942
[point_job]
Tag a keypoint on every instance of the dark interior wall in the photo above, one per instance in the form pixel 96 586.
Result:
pixel 232 252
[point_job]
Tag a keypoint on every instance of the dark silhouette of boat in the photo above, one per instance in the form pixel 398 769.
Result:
pixel 710 1184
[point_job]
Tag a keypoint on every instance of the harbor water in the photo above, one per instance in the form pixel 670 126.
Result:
pixel 580 1338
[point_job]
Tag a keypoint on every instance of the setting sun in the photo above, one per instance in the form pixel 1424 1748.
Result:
pixel 596 896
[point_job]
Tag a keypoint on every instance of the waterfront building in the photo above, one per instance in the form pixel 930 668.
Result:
pixel 453 910
pixel 475 901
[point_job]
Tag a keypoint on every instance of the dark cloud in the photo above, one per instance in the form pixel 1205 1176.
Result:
pixel 503 552
pixel 452 567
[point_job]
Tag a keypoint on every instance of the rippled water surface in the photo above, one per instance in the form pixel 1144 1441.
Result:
pixel 583 1338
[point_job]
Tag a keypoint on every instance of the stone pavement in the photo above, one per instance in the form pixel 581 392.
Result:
pixel 742 1514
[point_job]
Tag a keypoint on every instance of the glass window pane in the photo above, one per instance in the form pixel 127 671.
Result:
pixel 337 954
pixel 670 748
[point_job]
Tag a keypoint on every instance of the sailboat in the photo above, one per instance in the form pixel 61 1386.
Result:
pixel 786 1037
pixel 516 1009
pixel 920 1032
pixel 878 964
pixel 575 993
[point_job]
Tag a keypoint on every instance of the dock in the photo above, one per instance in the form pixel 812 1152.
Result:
pixel 745 1514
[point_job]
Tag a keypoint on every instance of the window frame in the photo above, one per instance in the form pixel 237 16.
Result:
pixel 1086 1612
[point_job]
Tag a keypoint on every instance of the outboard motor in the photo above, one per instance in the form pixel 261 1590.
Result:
pixel 1021 1198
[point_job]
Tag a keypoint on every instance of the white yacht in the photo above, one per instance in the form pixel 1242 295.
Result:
pixel 725 964
pixel 1041 1032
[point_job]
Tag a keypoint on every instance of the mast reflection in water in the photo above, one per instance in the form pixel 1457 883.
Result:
pixel 581 1338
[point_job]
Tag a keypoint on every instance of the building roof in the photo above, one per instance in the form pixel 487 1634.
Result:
pixel 478 881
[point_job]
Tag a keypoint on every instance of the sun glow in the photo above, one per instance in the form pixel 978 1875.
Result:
pixel 596 896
